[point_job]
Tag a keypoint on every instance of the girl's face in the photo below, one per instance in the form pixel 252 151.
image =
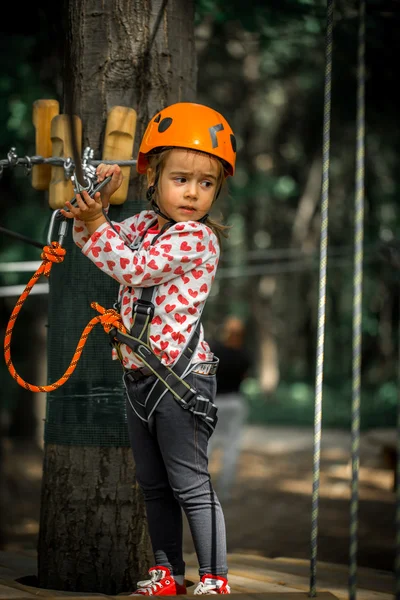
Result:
pixel 187 185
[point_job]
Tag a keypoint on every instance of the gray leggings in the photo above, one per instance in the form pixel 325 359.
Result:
pixel 170 452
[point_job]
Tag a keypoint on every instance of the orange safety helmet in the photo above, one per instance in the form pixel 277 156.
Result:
pixel 192 126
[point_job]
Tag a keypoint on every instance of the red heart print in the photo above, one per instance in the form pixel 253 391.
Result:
pixel 211 247
pixel 185 259
pixel 127 311
pixel 185 247
pixel 180 318
pixel 185 279
pixel 202 356
pixel 110 234
pixel 210 268
pixel 183 300
pixel 160 299
pixel 95 236
pixel 164 345
pixel 199 234
pixel 99 264
pixel 200 247
pixel 157 280
pixel 178 337
pixel 174 353
pixel 198 262
pixel 204 288
pixel 95 250
pixel 138 270
pixel 156 321
pixel 153 265
pixel 167 329
pixel 166 268
pixel 79 229
pixel 126 300
pixel 178 270
pixel 197 274
pixel 110 264
pixel 193 293
pixel 141 226
pixel 168 257
pixel 166 237
pixel 166 247
pixel 147 276
pixel 127 278
pixel 179 226
pixel 120 246
pixel 184 234
pixel 155 338
pixel 124 262
pixel 170 307
pixel 192 310
pixel 154 252
pixel 173 289
pixel 107 247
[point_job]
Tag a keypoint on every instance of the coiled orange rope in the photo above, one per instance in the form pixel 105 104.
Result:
pixel 109 318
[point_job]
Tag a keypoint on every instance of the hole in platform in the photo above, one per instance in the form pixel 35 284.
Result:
pixel 30 580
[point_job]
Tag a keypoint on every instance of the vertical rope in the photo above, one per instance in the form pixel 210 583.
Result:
pixel 357 303
pixel 322 296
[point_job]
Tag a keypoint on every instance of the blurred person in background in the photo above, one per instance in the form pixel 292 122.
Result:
pixel 233 367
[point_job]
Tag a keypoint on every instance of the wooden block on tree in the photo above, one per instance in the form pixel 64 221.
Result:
pixel 61 190
pixel 118 144
pixel 43 113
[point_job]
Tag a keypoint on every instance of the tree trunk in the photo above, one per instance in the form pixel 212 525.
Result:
pixel 93 533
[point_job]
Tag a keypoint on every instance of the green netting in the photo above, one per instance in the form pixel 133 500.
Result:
pixel 89 409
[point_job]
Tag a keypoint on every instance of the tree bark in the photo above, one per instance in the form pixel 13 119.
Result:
pixel 93 533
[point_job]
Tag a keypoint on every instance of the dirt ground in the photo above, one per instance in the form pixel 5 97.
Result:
pixel 269 511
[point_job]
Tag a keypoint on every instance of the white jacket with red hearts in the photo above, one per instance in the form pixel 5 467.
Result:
pixel 181 264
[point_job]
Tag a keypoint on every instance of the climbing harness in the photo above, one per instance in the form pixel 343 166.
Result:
pixel 169 379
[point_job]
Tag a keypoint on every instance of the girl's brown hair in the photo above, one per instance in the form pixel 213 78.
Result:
pixel 157 162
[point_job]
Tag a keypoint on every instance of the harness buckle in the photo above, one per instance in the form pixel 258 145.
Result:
pixel 143 307
pixel 189 399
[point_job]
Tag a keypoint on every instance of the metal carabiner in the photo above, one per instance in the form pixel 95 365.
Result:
pixel 62 230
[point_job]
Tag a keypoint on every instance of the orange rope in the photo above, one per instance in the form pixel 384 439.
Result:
pixel 109 318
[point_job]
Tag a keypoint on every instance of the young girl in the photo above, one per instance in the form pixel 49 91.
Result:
pixel 165 260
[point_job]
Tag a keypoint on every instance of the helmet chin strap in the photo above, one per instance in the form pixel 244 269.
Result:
pixel 151 190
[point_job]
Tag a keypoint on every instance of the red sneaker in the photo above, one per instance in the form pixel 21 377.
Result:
pixel 212 584
pixel 161 583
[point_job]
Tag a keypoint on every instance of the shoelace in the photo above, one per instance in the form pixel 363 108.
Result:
pixel 152 584
pixel 204 588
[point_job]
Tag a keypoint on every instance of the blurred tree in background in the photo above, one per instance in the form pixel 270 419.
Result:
pixel 262 65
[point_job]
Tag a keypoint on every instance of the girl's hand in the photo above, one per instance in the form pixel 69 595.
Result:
pixel 104 171
pixel 86 208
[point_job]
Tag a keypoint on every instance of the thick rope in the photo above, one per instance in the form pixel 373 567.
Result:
pixel 322 298
pixel 109 318
pixel 357 304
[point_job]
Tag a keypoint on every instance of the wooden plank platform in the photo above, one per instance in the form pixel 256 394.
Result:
pixel 249 577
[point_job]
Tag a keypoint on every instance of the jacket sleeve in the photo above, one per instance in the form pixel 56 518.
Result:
pixel 126 229
pixel 184 247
